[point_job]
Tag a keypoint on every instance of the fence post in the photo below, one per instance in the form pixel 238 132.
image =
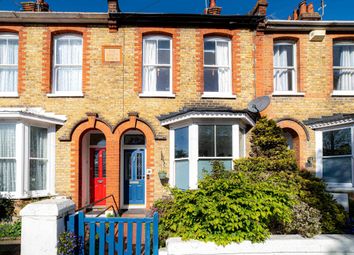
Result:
pixel 42 223
pixel 156 234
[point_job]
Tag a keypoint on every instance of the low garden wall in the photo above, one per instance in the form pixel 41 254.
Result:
pixel 277 244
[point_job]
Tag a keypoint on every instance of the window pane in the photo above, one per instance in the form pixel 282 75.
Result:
pixel 337 170
pixel 164 57
pixel 181 143
pixel 209 46
pixel 104 163
pixel 134 139
pixel 283 79
pixel 3 49
pixel 337 142
pixel 7 141
pixel 206 141
pixel 38 140
pixel 224 141
pixel 283 55
pixel 69 78
pixel 7 175
pixel 38 174
pixel 163 79
pixel 205 166
pixel 343 79
pixel 209 58
pixel 343 55
pixel 211 79
pixel 98 140
pixel 69 51
pixel 164 44
pixel 9 51
pixel 242 143
pixel 8 79
pixel 182 174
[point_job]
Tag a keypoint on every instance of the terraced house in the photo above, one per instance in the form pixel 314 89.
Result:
pixel 98 104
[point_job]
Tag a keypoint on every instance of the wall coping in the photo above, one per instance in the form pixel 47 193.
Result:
pixel 276 244
pixel 58 207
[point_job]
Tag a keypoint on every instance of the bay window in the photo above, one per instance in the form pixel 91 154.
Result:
pixel 285 67
pixel 67 65
pixel 157 65
pixel 335 157
pixel 343 67
pixel 217 66
pixel 27 152
pixel 8 64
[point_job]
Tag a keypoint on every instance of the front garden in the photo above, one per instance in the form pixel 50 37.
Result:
pixel 264 194
pixel 10 227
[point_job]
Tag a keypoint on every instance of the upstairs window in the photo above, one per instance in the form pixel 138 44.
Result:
pixel 67 64
pixel 157 67
pixel 8 64
pixel 217 65
pixel 284 67
pixel 343 66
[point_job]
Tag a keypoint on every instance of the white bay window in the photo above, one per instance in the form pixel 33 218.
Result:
pixel 67 65
pixel 27 152
pixel 8 64
pixel 198 138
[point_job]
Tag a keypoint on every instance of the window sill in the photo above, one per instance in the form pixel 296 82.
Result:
pixel 161 95
pixel 218 95
pixel 342 94
pixel 288 94
pixel 77 94
pixel 26 195
pixel 339 189
pixel 9 95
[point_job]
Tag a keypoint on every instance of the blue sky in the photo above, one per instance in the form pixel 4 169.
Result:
pixel 278 9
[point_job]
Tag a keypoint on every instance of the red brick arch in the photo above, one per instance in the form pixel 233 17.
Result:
pixel 134 123
pixel 80 130
pixel 300 136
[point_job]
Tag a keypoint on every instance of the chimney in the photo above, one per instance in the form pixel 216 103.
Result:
pixel 260 8
pixel 113 6
pixel 213 9
pixel 306 12
pixel 38 6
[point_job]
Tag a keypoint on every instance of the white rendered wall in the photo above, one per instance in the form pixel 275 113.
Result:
pixel 278 244
pixel 42 223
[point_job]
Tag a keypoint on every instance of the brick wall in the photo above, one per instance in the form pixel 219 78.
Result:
pixel 112 91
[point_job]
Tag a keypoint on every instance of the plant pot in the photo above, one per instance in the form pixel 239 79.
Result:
pixel 28 6
pixel 162 175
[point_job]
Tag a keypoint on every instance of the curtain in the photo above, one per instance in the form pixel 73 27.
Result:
pixel 346 76
pixel 281 74
pixel 150 72
pixel 69 64
pixel 7 158
pixel 38 158
pixel 222 60
pixel 8 65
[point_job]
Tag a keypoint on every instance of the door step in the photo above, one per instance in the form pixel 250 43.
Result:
pixel 134 213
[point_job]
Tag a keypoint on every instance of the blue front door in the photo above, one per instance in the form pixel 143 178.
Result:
pixel 134 177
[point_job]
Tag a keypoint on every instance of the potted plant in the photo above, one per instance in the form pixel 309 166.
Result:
pixel 163 177
pixel 28 6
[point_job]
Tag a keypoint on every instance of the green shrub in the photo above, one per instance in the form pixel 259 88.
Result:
pixel 10 229
pixel 227 207
pixel 7 209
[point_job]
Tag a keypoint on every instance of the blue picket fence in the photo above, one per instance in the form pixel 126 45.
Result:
pixel 112 236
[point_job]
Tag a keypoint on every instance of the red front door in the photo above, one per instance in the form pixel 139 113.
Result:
pixel 98 175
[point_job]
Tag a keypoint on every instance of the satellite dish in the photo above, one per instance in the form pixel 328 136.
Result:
pixel 259 104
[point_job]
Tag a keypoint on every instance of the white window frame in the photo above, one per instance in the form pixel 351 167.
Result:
pixel 342 92
pixel 340 187
pixel 193 149
pixel 56 93
pixel 218 94
pixel 23 158
pixel 293 68
pixel 146 93
pixel 8 36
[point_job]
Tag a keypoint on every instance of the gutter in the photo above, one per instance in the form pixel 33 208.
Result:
pixel 307 26
pixel 53 17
